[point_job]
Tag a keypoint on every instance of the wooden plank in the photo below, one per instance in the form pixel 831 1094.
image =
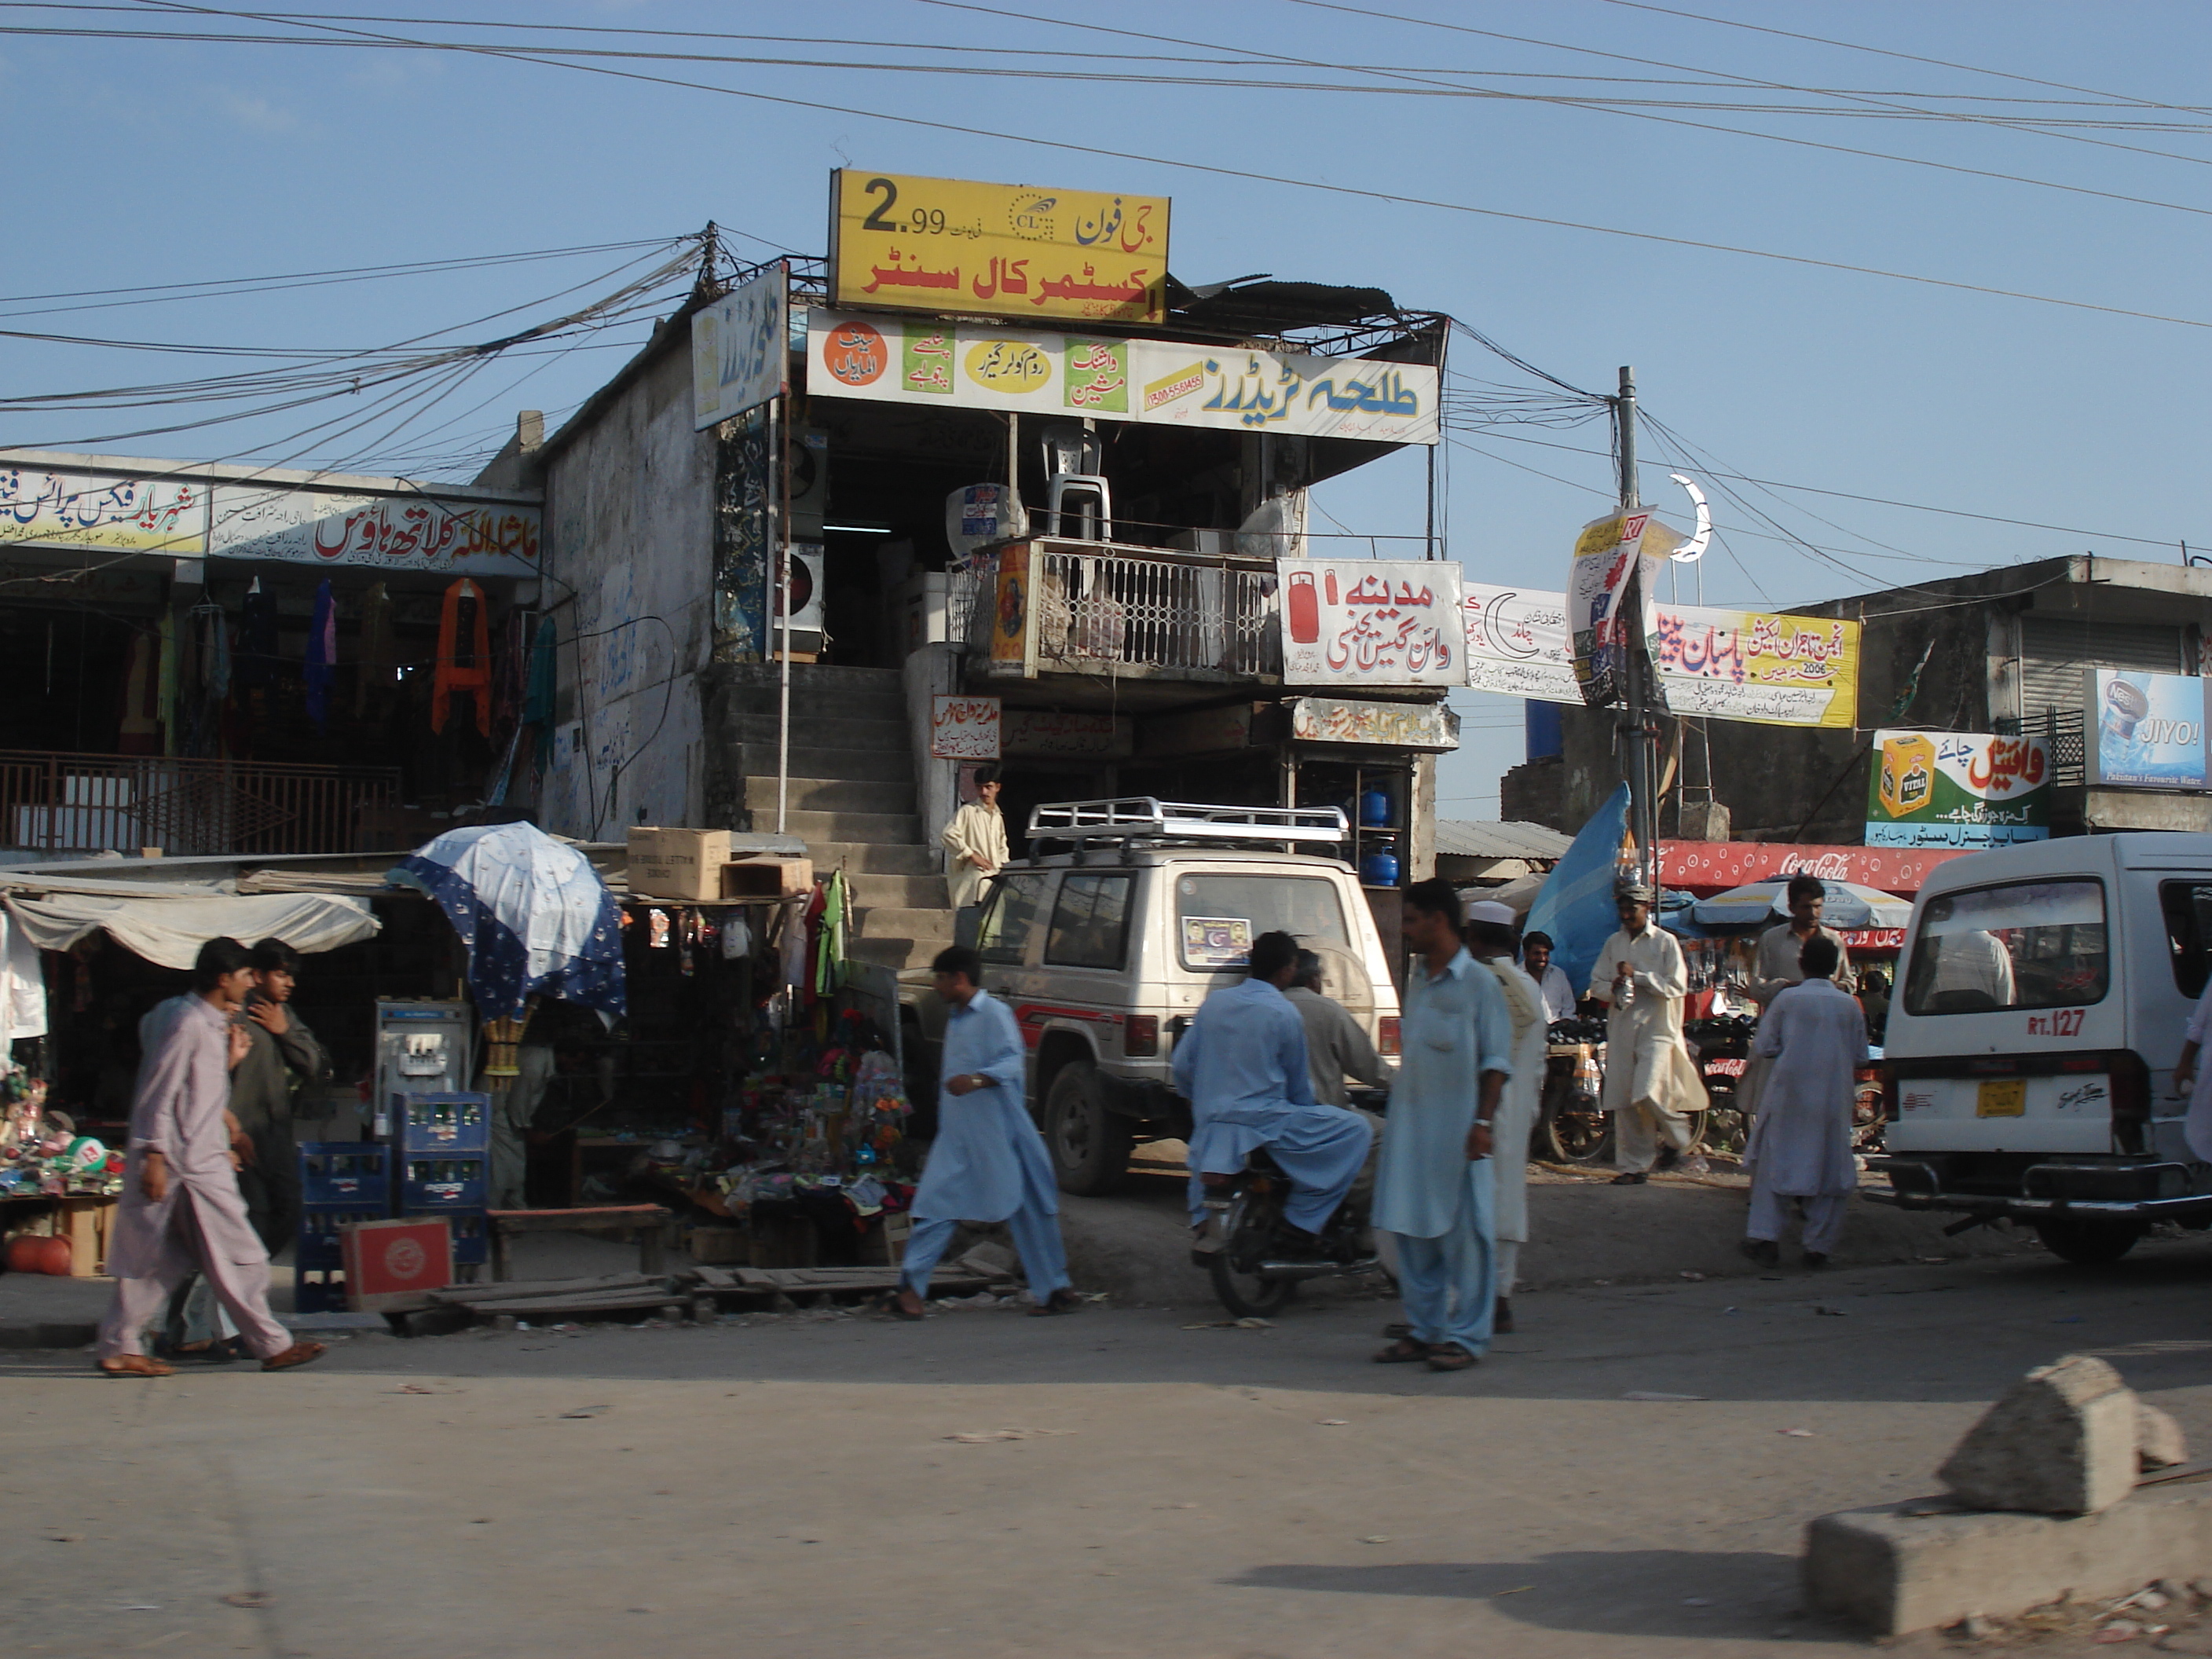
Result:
pixel 540 1307
pixel 713 1278
pixel 527 1289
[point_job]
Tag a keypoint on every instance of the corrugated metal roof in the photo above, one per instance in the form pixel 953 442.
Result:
pixel 1472 839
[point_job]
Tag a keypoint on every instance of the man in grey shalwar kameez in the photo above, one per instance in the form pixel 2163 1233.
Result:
pixel 988 1161
pixel 180 1207
pixel 1800 1142
pixel 1436 1189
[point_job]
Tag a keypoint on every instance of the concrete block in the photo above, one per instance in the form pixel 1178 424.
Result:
pixel 1916 1565
pixel 2062 1441
pixel 2159 1443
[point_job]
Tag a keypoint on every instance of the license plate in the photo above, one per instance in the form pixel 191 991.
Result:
pixel 2002 1097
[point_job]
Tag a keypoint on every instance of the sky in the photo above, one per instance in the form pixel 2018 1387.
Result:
pixel 1280 128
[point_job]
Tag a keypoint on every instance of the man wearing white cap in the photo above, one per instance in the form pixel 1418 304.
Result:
pixel 1491 936
pixel 1651 1084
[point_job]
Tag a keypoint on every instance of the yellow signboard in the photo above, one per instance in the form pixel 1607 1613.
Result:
pixel 952 246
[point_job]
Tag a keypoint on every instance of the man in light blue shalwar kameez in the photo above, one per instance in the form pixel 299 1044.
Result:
pixel 1241 1065
pixel 1435 1190
pixel 988 1161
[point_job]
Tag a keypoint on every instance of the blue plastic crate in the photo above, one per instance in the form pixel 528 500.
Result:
pixel 443 1181
pixel 317 1245
pixel 442 1122
pixel 471 1237
pixel 354 1173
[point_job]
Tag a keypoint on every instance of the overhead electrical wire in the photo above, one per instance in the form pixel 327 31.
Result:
pixel 970 130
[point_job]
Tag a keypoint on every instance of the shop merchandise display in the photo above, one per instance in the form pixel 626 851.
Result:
pixel 42 1155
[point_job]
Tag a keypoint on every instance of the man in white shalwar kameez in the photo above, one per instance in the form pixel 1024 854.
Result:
pixel 1774 968
pixel 2191 1078
pixel 1651 1084
pixel 1436 1191
pixel 988 1163
pixel 975 842
pixel 1491 936
pixel 1800 1142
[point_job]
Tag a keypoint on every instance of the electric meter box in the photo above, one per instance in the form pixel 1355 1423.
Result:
pixel 422 1048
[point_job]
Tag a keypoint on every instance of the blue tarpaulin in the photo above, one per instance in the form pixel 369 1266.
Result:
pixel 1575 905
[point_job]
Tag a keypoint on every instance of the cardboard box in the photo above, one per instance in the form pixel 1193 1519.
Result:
pixel 678 864
pixel 391 1265
pixel 766 878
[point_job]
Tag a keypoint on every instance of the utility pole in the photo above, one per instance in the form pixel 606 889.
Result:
pixel 1635 727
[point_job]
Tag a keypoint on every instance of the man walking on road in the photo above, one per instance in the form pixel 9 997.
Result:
pixel 988 1161
pixel 1800 1142
pixel 1243 1067
pixel 285 1056
pixel 1650 1081
pixel 1435 1192
pixel 180 1207
pixel 1491 936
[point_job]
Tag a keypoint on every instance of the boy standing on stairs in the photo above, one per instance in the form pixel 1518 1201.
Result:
pixel 976 844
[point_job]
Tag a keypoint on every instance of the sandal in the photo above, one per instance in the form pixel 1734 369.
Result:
pixel 1451 1356
pixel 1404 1352
pixel 135 1365
pixel 1398 1328
pixel 300 1353
pixel 1061 1301
pixel 890 1304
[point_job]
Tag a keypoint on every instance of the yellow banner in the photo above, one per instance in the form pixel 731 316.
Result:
pixel 902 243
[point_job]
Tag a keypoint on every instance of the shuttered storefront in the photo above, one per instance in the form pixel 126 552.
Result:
pixel 2053 652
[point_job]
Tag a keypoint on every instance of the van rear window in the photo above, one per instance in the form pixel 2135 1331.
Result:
pixel 2031 945
pixel 1217 917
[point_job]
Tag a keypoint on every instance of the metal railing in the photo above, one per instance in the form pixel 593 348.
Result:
pixel 1099 603
pixel 67 803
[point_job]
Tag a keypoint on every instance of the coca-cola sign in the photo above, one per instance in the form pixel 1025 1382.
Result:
pixel 1713 867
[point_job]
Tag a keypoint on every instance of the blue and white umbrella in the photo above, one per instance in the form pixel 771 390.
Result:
pixel 534 914
pixel 1757 903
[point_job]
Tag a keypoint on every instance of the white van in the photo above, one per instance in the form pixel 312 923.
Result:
pixel 2041 1004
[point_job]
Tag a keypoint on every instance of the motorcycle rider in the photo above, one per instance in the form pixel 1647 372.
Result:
pixel 1336 1047
pixel 1241 1065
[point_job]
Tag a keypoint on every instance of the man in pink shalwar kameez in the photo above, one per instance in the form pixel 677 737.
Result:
pixel 180 1207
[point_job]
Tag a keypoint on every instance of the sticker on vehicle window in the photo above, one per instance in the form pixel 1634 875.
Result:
pixel 1216 941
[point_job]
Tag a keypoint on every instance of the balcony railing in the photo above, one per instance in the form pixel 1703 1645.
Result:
pixel 65 803
pixel 1096 604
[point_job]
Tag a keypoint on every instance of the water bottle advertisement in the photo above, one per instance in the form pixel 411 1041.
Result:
pixel 2146 731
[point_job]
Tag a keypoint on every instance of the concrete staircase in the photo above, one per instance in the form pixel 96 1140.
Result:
pixel 851 799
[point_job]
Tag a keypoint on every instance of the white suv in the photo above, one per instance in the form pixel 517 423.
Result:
pixel 1105 953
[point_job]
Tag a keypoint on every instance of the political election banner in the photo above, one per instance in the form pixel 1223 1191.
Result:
pixel 1608 555
pixel 1957 789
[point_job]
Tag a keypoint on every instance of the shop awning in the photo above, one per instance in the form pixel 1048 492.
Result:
pixel 170 928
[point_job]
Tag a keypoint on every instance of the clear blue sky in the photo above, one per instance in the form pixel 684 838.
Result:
pixel 153 161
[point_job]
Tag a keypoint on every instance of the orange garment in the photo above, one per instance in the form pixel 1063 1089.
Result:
pixel 453 674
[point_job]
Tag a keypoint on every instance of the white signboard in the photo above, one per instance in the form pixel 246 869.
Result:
pixel 77 509
pixel 1157 382
pixel 1366 622
pixel 741 349
pixel 406 532
pixel 964 728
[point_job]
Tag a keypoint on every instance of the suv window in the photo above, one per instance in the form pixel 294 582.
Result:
pixel 1010 917
pixel 2032 945
pixel 2188 907
pixel 1090 921
pixel 1217 917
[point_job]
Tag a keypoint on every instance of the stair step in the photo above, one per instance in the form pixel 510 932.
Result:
pixel 883 921
pixel 857 858
pixel 828 795
pixel 757 760
pixel 893 953
pixel 824 730
pixel 905 892
pixel 879 827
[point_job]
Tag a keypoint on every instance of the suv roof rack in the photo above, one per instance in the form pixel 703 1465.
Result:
pixel 1143 817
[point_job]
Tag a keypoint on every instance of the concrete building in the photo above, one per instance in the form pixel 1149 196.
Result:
pixel 2003 651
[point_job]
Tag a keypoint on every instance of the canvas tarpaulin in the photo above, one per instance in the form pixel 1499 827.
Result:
pixel 170 930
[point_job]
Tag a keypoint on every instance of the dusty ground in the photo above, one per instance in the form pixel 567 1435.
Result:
pixel 788 1487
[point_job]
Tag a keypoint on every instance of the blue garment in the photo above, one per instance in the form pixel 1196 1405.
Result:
pixel 989 1160
pixel 1447 1283
pixel 1241 1065
pixel 1036 1242
pixel 1455 1027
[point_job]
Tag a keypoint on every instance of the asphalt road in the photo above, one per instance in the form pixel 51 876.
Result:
pixel 794 1486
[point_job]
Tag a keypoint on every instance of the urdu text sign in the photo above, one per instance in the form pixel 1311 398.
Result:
pixel 902 243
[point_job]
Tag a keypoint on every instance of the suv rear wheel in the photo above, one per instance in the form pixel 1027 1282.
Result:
pixel 2088 1243
pixel 1090 1143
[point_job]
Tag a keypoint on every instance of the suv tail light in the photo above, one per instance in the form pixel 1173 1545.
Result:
pixel 1386 1034
pixel 1140 1035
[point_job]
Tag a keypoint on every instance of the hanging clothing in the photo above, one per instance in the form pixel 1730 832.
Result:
pixel 464 655
pixel 165 684
pixel 322 655
pixel 1652 1083
pixel 830 942
pixel 23 985
pixel 1801 1144
pixel 255 667
pixel 379 656
pixel 976 832
pixel 140 732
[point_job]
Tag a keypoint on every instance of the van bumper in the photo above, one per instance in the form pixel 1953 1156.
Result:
pixel 2056 1187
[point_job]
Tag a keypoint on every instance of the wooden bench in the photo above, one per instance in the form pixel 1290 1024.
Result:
pixel 646 1223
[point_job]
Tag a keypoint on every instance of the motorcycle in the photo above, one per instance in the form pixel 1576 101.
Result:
pixel 1721 1047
